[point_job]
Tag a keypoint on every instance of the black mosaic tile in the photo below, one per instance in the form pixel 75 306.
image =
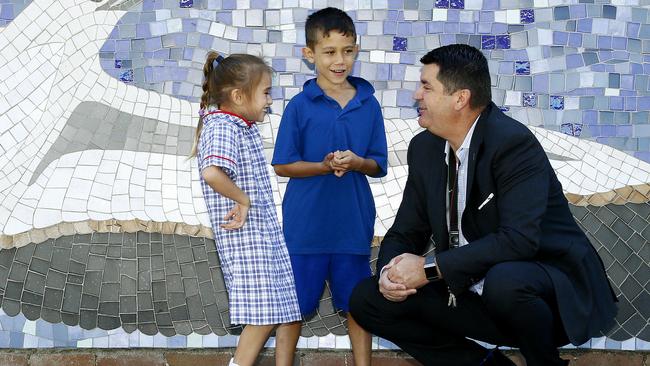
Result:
pixel 55 279
pixel 43 251
pixel 32 298
pixel 24 254
pixel 18 272
pixel 92 283
pixel 80 253
pixel 31 312
pixel 89 302
pixel 71 319
pixel 7 257
pixel 71 298
pixel 11 307
pixel 35 282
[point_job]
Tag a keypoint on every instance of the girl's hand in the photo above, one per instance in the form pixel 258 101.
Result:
pixel 327 162
pixel 236 217
pixel 345 161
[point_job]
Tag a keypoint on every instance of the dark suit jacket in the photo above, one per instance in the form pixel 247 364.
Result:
pixel 527 220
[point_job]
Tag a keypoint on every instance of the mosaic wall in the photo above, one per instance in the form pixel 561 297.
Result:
pixel 105 236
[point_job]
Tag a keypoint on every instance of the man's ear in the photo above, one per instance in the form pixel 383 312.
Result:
pixel 308 54
pixel 463 97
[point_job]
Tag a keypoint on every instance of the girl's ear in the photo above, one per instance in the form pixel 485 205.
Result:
pixel 237 96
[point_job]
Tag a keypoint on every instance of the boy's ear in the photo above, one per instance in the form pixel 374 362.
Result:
pixel 308 54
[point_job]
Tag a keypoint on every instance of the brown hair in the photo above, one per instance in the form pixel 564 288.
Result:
pixel 222 75
pixel 325 21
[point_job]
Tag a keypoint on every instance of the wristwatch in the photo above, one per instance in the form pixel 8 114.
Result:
pixel 430 268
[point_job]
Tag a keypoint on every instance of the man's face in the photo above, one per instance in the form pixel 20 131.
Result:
pixel 434 105
pixel 333 56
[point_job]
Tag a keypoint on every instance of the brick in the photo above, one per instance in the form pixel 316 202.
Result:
pixel 393 359
pixel 62 359
pixel 131 359
pixel 326 359
pixel 189 359
pixel 595 358
pixel 14 359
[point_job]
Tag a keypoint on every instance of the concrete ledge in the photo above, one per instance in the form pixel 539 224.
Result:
pixel 305 357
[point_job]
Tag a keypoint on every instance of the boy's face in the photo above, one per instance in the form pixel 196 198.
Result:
pixel 333 56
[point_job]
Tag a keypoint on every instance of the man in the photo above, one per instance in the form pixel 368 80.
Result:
pixel 510 266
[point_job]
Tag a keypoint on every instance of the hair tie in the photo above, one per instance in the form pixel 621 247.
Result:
pixel 216 61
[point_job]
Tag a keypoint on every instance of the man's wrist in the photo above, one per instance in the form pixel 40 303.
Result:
pixel 431 268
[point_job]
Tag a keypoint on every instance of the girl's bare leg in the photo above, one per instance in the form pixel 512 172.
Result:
pixel 251 340
pixel 286 339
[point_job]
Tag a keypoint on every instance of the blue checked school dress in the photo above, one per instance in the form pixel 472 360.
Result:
pixel 254 259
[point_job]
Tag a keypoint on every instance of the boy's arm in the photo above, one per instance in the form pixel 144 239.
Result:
pixel 348 161
pixel 303 169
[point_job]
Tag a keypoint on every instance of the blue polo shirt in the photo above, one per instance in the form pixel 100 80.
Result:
pixel 327 214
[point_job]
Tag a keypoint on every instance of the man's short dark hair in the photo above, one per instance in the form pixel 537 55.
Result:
pixel 325 21
pixel 462 67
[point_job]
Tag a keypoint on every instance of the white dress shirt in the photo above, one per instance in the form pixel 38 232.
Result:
pixel 461 158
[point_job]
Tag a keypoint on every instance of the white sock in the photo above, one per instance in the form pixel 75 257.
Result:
pixel 232 362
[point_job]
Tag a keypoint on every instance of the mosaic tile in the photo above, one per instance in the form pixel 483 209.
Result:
pixel 529 100
pixel 522 67
pixel 527 16
pixel 400 44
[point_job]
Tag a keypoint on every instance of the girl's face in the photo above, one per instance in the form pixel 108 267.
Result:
pixel 256 107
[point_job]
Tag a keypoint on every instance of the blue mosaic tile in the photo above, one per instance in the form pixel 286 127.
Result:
pixel 6 12
pixel 561 13
pixel 506 68
pixel 584 25
pixel 418 29
pixel 503 41
pixel 529 100
pixel 504 109
pixel 574 61
pixel 442 4
pixel 118 64
pixel 186 3
pixel 127 76
pixel 457 4
pixel 400 44
pixel 560 38
pixel 567 128
pixel 616 103
pixel 578 11
pixel 390 27
pixel 557 102
pixel 522 67
pixel 619 43
pixel 527 16
pixel 229 4
pixel 404 28
pixel 609 12
pixel 488 42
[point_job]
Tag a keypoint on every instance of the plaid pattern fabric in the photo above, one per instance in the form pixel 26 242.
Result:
pixel 254 259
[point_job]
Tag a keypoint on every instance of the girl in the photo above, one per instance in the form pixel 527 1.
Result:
pixel 237 191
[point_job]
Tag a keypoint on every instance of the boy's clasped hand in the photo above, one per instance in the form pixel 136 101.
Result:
pixel 341 162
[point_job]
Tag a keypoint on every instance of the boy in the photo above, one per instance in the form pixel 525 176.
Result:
pixel 331 136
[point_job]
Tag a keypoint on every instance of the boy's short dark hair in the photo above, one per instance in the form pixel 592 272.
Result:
pixel 462 67
pixel 325 21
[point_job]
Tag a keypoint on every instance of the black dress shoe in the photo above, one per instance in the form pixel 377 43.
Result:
pixel 496 358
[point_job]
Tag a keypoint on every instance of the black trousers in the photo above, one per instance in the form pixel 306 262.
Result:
pixel 517 309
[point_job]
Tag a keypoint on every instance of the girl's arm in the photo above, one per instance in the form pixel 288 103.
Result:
pixel 347 161
pixel 222 184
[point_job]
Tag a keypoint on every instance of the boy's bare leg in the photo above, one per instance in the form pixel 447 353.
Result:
pixel 286 339
pixel 251 341
pixel 361 342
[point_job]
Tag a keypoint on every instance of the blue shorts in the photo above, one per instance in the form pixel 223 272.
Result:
pixel 342 271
